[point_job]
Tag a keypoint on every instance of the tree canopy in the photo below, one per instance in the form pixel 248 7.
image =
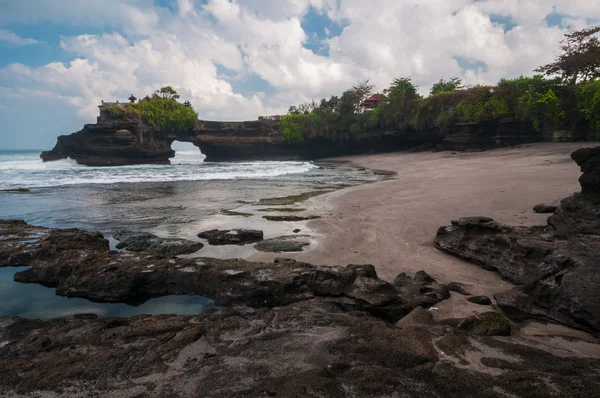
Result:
pixel 162 111
pixel 446 86
pixel 580 58
pixel 567 93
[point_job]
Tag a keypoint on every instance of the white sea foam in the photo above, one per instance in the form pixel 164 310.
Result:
pixel 26 170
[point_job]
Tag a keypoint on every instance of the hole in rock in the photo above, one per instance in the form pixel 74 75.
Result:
pixel 186 153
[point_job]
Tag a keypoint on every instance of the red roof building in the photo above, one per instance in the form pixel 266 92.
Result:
pixel 372 102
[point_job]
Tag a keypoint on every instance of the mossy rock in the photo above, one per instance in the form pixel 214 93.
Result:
pixel 486 324
pixel 290 199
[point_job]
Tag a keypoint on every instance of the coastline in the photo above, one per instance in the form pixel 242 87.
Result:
pixel 288 328
pixel 392 223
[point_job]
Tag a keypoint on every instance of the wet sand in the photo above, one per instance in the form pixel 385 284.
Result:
pixel 392 224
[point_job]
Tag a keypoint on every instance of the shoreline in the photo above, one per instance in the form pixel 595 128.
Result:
pixel 288 328
pixel 392 223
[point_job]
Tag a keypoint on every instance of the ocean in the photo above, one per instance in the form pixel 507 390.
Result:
pixel 178 200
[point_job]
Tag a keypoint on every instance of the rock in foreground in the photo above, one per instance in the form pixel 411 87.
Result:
pixel 311 348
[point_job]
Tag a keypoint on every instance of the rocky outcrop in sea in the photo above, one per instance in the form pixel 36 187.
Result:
pixel 116 140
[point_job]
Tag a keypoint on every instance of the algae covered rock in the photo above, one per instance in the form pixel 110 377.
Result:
pixel 486 324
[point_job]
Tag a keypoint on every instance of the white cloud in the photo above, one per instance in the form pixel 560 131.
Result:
pixel 146 47
pixel 15 40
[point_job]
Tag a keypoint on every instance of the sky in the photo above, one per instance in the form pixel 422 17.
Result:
pixel 240 59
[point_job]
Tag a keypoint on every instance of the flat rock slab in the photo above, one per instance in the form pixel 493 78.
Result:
pixel 292 243
pixel 312 348
pixel 218 237
pixel 481 300
pixel 146 242
pixel 545 209
pixel 290 218
pixel 458 288
pixel 290 199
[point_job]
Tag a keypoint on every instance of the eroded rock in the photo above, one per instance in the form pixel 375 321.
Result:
pixel 217 237
pixel 421 291
pixel 79 264
pixel 458 288
pixel 481 300
pixel 545 209
pixel 309 348
pixel 292 243
pixel 554 266
pixel 146 242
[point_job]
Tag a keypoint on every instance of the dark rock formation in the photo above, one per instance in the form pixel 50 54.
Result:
pixel 217 237
pixel 481 300
pixel 545 209
pixel 312 348
pixel 555 266
pixel 423 289
pixel 281 244
pixel 290 218
pixel 458 288
pixel 486 324
pixel 284 329
pixel 145 242
pixel 79 264
pixel 589 161
pixel 123 140
pixel 15 190
pixel 113 142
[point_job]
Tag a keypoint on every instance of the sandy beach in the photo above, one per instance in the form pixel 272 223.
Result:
pixel 391 224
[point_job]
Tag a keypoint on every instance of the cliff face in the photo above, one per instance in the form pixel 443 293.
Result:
pixel 126 140
pixel 112 142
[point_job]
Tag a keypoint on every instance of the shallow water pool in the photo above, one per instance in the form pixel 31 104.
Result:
pixel 36 301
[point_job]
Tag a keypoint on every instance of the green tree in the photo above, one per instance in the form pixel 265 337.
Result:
pixel 446 86
pixel 580 58
pixel 167 93
pixel 163 112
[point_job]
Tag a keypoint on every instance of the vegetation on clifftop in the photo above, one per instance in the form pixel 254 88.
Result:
pixel 566 94
pixel 161 111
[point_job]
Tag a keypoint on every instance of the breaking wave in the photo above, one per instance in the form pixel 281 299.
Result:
pixel 26 170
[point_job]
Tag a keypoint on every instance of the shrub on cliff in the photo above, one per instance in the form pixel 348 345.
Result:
pixel 292 126
pixel 588 103
pixel 162 111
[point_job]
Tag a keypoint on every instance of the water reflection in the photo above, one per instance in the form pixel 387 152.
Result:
pixel 36 301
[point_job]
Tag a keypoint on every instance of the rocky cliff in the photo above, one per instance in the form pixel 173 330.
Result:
pixel 125 140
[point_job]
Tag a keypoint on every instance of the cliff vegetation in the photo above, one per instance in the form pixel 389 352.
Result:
pixel 565 93
pixel 161 111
